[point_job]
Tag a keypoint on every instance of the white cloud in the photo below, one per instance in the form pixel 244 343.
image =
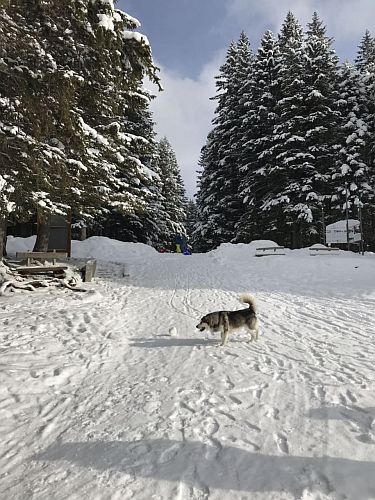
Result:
pixel 344 18
pixel 183 113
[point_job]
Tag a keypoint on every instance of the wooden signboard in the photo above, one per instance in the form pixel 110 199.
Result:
pixel 60 233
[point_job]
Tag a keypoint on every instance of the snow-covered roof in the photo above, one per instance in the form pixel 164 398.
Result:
pixel 341 224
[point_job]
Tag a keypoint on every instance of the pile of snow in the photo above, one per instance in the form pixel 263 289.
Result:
pixel 103 248
pixel 97 247
pixel 243 251
pixel 318 245
pixel 4 276
pixel 20 244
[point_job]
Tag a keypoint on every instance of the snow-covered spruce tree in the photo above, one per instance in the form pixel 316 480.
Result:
pixel 323 122
pixel 36 102
pixel 9 155
pixel 96 66
pixel 142 223
pixel 191 221
pixel 304 139
pixel 165 211
pixel 257 160
pixel 207 232
pixel 365 62
pixel 121 119
pixel 218 201
pixel 366 52
pixel 287 213
pixel 231 118
pixel 353 169
pixel 173 201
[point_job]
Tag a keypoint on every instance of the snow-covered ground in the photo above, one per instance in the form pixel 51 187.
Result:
pixel 101 398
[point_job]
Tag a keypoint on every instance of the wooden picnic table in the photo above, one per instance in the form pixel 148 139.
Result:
pixel 262 251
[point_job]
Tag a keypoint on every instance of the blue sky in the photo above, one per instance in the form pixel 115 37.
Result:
pixel 181 32
pixel 189 39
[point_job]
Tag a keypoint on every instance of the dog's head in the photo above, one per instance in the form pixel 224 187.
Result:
pixel 203 325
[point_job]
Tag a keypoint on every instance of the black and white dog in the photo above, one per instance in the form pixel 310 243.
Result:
pixel 227 321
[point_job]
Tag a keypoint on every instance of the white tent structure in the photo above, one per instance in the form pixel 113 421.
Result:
pixel 337 232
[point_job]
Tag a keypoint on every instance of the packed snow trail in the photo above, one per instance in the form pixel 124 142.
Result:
pixel 99 401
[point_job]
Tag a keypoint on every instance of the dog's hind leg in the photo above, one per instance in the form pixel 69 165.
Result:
pixel 225 331
pixel 253 335
pixel 257 325
pixel 250 332
pixel 253 330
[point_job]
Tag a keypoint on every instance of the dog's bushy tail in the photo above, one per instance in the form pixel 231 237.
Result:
pixel 249 299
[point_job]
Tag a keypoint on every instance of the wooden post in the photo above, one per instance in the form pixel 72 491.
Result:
pixel 41 243
pixel 361 228
pixel 89 270
pixel 347 217
pixel 69 234
pixel 3 236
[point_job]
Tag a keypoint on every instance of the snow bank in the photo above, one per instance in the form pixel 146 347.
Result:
pixel 103 248
pixel 20 244
pixel 316 245
pixel 97 247
pixel 240 250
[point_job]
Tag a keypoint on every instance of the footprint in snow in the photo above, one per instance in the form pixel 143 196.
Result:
pixel 235 400
pixel 273 413
pixel 209 370
pixel 282 443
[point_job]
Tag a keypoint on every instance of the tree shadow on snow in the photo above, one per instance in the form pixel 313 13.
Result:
pixel 228 468
pixel 361 418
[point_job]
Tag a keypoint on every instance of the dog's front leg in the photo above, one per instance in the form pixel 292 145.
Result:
pixel 224 337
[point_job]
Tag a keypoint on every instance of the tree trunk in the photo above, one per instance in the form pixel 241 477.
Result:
pixel 41 244
pixel 3 237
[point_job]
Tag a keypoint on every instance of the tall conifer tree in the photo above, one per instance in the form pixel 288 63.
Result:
pixel 285 202
pixel 218 200
pixel 257 158
pixel 173 201
pixel 77 95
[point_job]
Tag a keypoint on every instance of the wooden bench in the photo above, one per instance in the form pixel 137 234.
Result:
pixel 323 251
pixel 87 271
pixel 41 269
pixel 264 251
pixel 41 255
pixel 35 268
